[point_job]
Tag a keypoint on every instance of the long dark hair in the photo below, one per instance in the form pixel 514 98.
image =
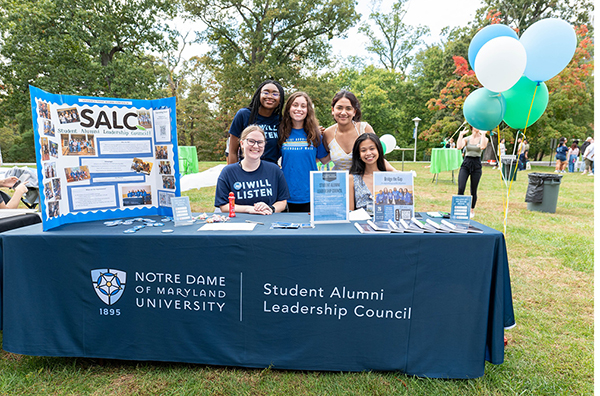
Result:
pixel 353 101
pixel 255 102
pixel 311 125
pixel 358 165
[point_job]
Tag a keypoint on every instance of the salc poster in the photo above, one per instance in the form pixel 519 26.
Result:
pixel 103 158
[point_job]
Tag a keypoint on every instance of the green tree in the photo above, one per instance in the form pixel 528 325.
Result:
pixel 98 48
pixel 399 40
pixel 520 14
pixel 259 39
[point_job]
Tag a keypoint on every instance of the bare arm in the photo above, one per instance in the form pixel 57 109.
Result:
pixel 461 142
pixel 234 145
pixel 484 141
pixel 15 199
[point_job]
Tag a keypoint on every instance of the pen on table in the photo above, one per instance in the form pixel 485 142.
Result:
pixel 254 222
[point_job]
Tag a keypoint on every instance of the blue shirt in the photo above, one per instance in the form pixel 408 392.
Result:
pixel 561 153
pixel 265 184
pixel 268 124
pixel 298 158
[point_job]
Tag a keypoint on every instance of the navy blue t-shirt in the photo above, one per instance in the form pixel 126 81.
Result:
pixel 268 124
pixel 561 153
pixel 265 184
pixel 298 158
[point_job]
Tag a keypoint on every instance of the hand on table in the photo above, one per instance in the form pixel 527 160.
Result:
pixel 261 208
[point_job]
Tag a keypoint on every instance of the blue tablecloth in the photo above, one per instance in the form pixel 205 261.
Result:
pixel 327 298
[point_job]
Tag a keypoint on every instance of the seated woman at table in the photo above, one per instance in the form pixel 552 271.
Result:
pixel 259 186
pixel 367 157
pixel 20 190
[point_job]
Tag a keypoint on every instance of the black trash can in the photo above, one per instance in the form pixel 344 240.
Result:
pixel 509 169
pixel 542 192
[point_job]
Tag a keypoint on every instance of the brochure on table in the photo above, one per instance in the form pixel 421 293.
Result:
pixel 103 158
pixel 329 198
pixel 394 196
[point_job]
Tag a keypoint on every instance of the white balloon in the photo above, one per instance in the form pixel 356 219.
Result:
pixel 390 142
pixel 500 63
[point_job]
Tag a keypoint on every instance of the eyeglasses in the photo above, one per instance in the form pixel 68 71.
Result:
pixel 267 93
pixel 253 142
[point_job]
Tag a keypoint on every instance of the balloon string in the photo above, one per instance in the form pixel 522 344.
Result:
pixel 518 155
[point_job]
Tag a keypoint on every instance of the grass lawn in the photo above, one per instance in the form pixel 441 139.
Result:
pixel 549 352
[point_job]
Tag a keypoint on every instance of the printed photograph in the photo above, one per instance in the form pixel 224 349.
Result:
pixel 76 174
pixel 54 149
pixel 77 144
pixel 164 198
pixel 48 128
pixel 53 209
pixel 161 152
pixel 50 170
pixel 393 196
pixel 48 191
pixel 168 182
pixel 141 166
pixel 164 167
pixel 136 195
pixel 68 116
pixel 43 109
pixel 45 149
pixel 56 188
pixel 145 118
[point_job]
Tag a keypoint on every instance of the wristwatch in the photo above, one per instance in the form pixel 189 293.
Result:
pixel 272 208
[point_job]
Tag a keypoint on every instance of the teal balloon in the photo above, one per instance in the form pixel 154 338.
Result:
pixel 484 109
pixel 519 99
pixel 383 146
pixel 486 34
pixel 550 45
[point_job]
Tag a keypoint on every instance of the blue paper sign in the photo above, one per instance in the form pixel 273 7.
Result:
pixel 102 158
pixel 329 199
pixel 461 207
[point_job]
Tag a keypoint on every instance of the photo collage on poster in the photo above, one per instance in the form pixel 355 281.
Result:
pixel 104 155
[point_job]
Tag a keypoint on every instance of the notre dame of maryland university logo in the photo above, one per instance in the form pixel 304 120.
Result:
pixel 109 284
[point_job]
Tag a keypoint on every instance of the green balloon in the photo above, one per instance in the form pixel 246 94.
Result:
pixel 383 146
pixel 518 101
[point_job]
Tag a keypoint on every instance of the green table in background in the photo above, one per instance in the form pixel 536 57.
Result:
pixel 443 160
pixel 188 160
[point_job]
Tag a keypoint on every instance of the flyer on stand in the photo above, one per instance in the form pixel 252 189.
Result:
pixel 104 158
pixel 394 196
pixel 461 208
pixel 329 198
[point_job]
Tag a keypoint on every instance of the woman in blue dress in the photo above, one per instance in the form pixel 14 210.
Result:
pixel 367 157
pixel 301 145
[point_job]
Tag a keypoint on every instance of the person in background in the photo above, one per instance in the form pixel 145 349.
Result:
pixel 582 152
pixel 259 186
pixel 367 157
pixel 588 157
pixel 572 156
pixel 524 156
pixel 340 137
pixel 471 166
pixel 20 190
pixel 265 111
pixel 561 157
pixel 301 145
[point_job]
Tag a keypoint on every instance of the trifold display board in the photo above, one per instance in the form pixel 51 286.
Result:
pixel 104 158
